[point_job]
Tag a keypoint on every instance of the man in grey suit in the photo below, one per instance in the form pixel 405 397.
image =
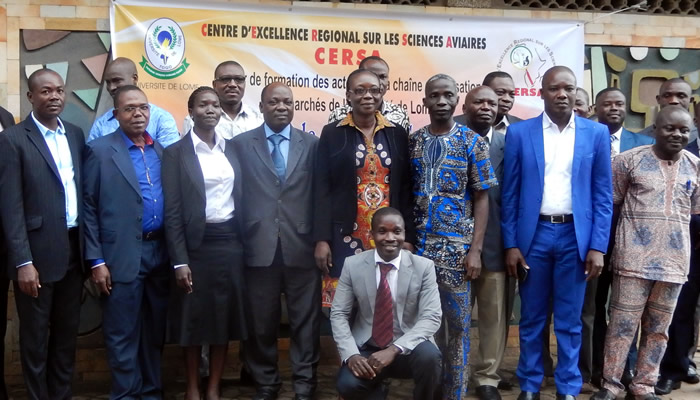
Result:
pixel 481 106
pixel 398 311
pixel 502 83
pixel 277 165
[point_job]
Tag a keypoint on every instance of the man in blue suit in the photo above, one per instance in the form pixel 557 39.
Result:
pixel 124 243
pixel 550 233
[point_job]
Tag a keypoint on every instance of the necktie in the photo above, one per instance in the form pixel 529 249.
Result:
pixel 277 158
pixel 613 152
pixel 383 323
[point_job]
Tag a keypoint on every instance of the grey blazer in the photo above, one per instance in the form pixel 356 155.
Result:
pixel 417 304
pixel 271 210
pixel 492 252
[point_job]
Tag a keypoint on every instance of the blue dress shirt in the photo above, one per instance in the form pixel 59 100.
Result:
pixel 160 122
pixel 284 145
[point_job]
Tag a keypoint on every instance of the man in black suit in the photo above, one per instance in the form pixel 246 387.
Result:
pixel 125 246
pixel 41 212
pixel 277 166
pixel 7 120
pixel 502 83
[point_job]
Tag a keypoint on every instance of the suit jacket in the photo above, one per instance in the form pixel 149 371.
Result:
pixel 694 218
pixel 492 252
pixel 6 119
pixel 185 197
pixel 336 181
pixel 417 304
pixel 462 119
pixel 270 210
pixel 33 203
pixel 523 183
pixel 113 206
pixel 630 140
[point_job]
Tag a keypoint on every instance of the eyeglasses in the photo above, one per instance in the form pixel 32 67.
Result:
pixel 131 109
pixel 239 79
pixel 374 91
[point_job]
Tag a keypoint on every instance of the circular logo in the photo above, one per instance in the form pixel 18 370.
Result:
pixel 165 44
pixel 521 57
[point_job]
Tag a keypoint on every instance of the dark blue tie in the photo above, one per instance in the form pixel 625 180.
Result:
pixel 277 157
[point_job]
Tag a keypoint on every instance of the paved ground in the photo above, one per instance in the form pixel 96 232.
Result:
pixel 400 389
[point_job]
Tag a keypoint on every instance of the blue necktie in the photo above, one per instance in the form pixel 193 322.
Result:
pixel 277 157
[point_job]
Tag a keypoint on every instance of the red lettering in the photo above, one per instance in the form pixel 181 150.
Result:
pixel 333 56
pixel 319 53
pixel 449 42
pixel 204 29
pixel 347 57
pixel 404 40
pixel 314 36
pixel 375 53
pixel 255 32
pixel 360 56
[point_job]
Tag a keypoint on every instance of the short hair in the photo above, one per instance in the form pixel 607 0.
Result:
pixel 439 77
pixel 124 89
pixel 674 80
pixel 670 110
pixel 197 92
pixel 582 90
pixel 226 64
pixel 608 90
pixel 383 212
pixel 493 75
pixel 31 81
pixel 266 88
pixel 371 58
pixel 356 72
pixel 556 69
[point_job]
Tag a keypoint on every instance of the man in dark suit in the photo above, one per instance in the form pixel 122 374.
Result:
pixel 559 238
pixel 673 92
pixel 502 83
pixel 7 120
pixel 480 106
pixel 277 166
pixel 384 315
pixel 124 244
pixel 611 110
pixel 41 212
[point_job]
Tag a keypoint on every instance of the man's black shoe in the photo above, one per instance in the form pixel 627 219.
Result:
pixel 648 396
pixel 302 397
pixel 603 394
pixel 487 392
pixel 265 393
pixel 665 386
pixel 692 376
pixel 529 396
pixel 565 396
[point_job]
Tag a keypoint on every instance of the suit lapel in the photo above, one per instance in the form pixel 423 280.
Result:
pixel 402 284
pixel 122 160
pixel 496 150
pixel 537 139
pixel 38 140
pixel 296 148
pixel 75 152
pixel 370 275
pixel 191 163
pixel 581 137
pixel 260 146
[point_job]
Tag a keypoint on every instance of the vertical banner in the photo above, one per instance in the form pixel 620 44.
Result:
pixel 177 45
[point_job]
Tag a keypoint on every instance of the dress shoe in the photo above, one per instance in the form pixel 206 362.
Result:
pixel 603 394
pixel 302 397
pixel 265 393
pixel 505 385
pixel 665 386
pixel 529 396
pixel 626 378
pixel 692 376
pixel 648 396
pixel 565 396
pixel 487 392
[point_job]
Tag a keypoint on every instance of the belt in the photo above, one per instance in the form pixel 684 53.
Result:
pixel 557 219
pixel 152 235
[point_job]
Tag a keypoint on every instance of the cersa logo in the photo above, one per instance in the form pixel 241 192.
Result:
pixel 526 60
pixel 165 50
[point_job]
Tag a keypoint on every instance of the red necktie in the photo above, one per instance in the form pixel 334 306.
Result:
pixel 383 323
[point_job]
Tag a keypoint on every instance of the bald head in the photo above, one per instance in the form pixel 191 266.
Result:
pixel 480 108
pixel 120 72
pixel 672 131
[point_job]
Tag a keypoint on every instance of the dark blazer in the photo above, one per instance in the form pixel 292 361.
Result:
pixel 113 206
pixel 492 252
pixel 185 197
pixel 33 204
pixel 462 119
pixel 336 182
pixel 6 119
pixel 270 210
pixel 630 140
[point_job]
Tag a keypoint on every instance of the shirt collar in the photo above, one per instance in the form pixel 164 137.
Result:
pixel 503 121
pixel 244 113
pixel 44 130
pixel 396 262
pixel 286 131
pixel 130 143
pixel 618 134
pixel 382 122
pixel 547 122
pixel 489 135
pixel 218 141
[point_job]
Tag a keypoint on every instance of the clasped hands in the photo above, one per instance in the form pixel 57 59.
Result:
pixel 368 368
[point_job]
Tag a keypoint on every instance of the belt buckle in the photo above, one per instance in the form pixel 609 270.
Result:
pixel 556 219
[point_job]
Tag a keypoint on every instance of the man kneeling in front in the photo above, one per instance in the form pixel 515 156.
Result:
pixel 398 312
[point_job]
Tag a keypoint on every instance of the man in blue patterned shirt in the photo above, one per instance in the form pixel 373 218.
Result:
pixel 162 125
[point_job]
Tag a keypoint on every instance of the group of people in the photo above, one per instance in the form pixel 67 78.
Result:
pixel 193 239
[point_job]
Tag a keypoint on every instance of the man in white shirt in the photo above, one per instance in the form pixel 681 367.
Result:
pixel 557 238
pixel 237 117
pixel 398 312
